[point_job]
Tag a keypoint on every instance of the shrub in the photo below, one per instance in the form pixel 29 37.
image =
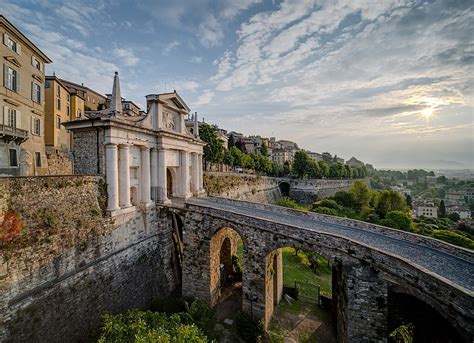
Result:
pixel 454 238
pixel 402 334
pixel 147 326
pixel 345 198
pixel 287 202
pixel 247 328
pixel 325 210
pixel 329 203
pixel 398 220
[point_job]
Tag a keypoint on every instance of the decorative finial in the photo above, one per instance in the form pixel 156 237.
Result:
pixel 116 73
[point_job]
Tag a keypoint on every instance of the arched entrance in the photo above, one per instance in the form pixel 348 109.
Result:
pixel 284 188
pixel 226 266
pixel 407 313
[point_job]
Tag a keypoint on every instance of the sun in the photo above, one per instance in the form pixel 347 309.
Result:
pixel 427 112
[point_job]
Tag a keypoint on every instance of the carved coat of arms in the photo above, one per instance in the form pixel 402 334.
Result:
pixel 169 121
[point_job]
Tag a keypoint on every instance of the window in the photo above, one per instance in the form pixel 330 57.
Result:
pixel 13 158
pixel 68 97
pixel 58 122
pixel 36 92
pixel 37 126
pixel 11 119
pixel 58 104
pixel 38 159
pixel 68 110
pixel 36 63
pixel 11 43
pixel 11 78
pixel 46 84
pixel 58 90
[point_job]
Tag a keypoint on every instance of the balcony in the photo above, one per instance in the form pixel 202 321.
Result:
pixel 10 133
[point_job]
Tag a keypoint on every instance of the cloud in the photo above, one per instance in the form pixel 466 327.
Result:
pixel 204 99
pixel 210 32
pixel 196 59
pixel 170 47
pixel 126 56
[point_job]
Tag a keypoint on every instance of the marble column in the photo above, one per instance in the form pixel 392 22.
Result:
pixel 111 174
pixel 154 174
pixel 195 174
pixel 162 182
pixel 124 175
pixel 184 170
pixel 145 181
pixel 201 185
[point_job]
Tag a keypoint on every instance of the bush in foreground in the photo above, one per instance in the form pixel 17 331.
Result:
pixel 247 328
pixel 454 238
pixel 146 326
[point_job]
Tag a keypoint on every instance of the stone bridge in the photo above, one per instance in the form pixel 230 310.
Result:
pixel 381 276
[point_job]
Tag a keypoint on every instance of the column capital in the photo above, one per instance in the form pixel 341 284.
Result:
pixel 124 145
pixel 144 147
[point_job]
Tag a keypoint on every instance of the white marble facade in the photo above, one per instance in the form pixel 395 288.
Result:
pixel 150 158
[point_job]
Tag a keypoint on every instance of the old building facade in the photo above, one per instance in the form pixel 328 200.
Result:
pixel 145 159
pixel 22 150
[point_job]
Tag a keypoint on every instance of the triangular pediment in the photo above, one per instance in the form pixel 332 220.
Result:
pixel 13 60
pixel 174 100
pixel 37 78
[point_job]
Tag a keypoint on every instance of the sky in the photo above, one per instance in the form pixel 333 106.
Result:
pixel 389 82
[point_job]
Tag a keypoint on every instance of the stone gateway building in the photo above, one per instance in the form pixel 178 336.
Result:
pixel 146 157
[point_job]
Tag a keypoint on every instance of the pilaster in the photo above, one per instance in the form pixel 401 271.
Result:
pixel 111 161
pixel 145 181
pixel 124 175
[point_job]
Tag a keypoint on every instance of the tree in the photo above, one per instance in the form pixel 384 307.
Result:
pixel 324 167
pixel 300 163
pixel 287 168
pixel 236 156
pixel 361 195
pixel 441 180
pixel 442 210
pixel 345 199
pixel 408 200
pixel 228 158
pixel 231 141
pixel 336 170
pixel 313 169
pixel 264 150
pixel 348 171
pixel 213 150
pixel 390 200
pixel 398 220
pixel 454 216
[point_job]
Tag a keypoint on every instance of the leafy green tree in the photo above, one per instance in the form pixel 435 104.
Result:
pixel 236 156
pixel 313 169
pixel 214 149
pixel 287 168
pixel 441 180
pixel 454 238
pixel 348 171
pixel 345 199
pixel 300 163
pixel 442 210
pixel 264 150
pixel 390 200
pixel 398 220
pixel 408 200
pixel 231 141
pixel 361 193
pixel 455 217
pixel 336 170
pixel 228 158
pixel 324 167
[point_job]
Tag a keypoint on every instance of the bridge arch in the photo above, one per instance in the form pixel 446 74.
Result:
pixel 225 278
pixel 363 272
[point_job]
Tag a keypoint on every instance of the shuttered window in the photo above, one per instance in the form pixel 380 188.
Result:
pixel 36 92
pixel 11 79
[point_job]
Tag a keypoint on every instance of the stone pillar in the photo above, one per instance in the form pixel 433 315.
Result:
pixel 124 177
pixel 154 174
pixel 145 181
pixel 201 185
pixel 184 170
pixel 162 183
pixel 362 304
pixel 111 174
pixel 195 174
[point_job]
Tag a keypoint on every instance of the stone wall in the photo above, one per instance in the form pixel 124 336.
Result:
pixel 242 186
pixel 59 162
pixel 311 190
pixel 89 152
pixel 71 264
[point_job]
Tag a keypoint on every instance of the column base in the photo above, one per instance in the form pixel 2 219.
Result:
pixel 146 205
pixel 164 202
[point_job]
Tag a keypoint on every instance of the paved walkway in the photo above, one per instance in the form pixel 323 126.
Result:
pixel 453 268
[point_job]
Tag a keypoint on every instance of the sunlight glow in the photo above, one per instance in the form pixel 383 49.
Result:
pixel 427 112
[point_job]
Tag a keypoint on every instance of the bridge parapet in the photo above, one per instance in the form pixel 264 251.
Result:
pixel 428 242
